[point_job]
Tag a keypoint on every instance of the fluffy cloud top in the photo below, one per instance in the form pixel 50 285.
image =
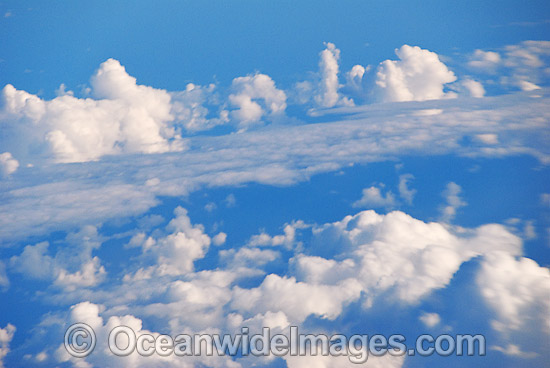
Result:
pixel 8 165
pixel 397 252
pixel 72 267
pixel 297 300
pixel 418 75
pixel 327 95
pixel 324 89
pixel 190 108
pixel 176 252
pixel 517 289
pixel 371 257
pixel 373 198
pixel 125 117
pixel 255 96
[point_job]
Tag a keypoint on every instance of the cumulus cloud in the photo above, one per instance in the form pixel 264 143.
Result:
pixel 287 239
pixel 192 108
pixel 454 202
pixel 418 75
pixel 6 335
pixel 255 96
pixel 8 165
pixel 72 266
pixel 219 239
pixel 91 314
pixel 397 252
pixel 125 117
pixel 370 258
pixel 405 192
pixel 430 319
pixel 296 299
pixel 373 198
pixel 175 253
pixel 472 87
pixel 324 88
pixel 517 290
pixel 248 257
pixel 355 79
pixel 364 257
pixel 327 94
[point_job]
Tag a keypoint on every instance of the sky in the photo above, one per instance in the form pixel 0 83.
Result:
pixel 347 167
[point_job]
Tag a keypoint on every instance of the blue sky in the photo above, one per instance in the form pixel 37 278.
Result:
pixel 354 167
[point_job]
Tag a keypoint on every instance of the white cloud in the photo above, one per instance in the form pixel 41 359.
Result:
pixel 125 117
pixel 404 191
pixel 249 92
pixel 327 94
pixel 92 314
pixel 189 108
pixel 474 88
pixel 219 239
pixel 418 75
pixel 487 60
pixel 72 267
pixel 31 256
pixel 373 198
pixel 248 257
pixel 517 290
pixel 373 256
pixel 430 319
pixel 324 87
pixel 396 253
pixel 355 80
pixel 515 351
pixel 287 239
pixel 8 164
pixel 6 335
pixel 296 299
pixel 454 202
pixel 175 253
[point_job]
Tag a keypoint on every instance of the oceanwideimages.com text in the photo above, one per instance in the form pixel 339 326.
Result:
pixel 80 341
